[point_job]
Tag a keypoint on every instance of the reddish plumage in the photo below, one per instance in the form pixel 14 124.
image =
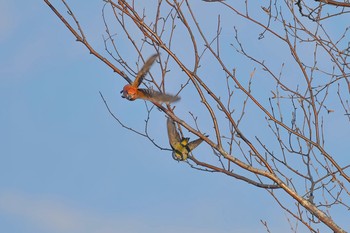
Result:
pixel 132 92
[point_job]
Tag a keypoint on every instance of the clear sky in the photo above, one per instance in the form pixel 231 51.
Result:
pixel 68 167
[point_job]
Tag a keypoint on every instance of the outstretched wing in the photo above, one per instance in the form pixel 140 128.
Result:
pixel 192 145
pixel 144 70
pixel 173 134
pixel 156 96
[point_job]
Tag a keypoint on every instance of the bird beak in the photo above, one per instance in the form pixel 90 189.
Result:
pixel 122 94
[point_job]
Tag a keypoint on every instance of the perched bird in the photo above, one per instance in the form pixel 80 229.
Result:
pixel 132 91
pixel 181 146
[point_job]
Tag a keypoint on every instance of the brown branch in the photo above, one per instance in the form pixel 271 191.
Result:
pixel 268 163
pixel 83 40
pixel 239 177
pixel 334 3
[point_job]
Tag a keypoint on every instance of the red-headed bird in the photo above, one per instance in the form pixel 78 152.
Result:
pixel 132 91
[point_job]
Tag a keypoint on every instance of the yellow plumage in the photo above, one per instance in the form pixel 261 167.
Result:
pixel 181 146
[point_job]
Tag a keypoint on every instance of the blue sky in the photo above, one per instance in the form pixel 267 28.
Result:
pixel 68 167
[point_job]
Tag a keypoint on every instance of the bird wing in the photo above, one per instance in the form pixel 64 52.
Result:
pixel 144 70
pixel 173 134
pixel 192 145
pixel 156 96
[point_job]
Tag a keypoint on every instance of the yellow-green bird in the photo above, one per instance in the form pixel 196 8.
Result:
pixel 181 146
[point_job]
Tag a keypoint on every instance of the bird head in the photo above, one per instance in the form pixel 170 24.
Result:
pixel 178 156
pixel 129 92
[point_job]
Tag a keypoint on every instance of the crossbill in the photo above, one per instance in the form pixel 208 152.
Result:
pixel 132 91
pixel 181 146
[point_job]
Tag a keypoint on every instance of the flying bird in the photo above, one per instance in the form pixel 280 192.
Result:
pixel 132 91
pixel 181 146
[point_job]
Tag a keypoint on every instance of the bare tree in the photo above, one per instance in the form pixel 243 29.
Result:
pixel 269 77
